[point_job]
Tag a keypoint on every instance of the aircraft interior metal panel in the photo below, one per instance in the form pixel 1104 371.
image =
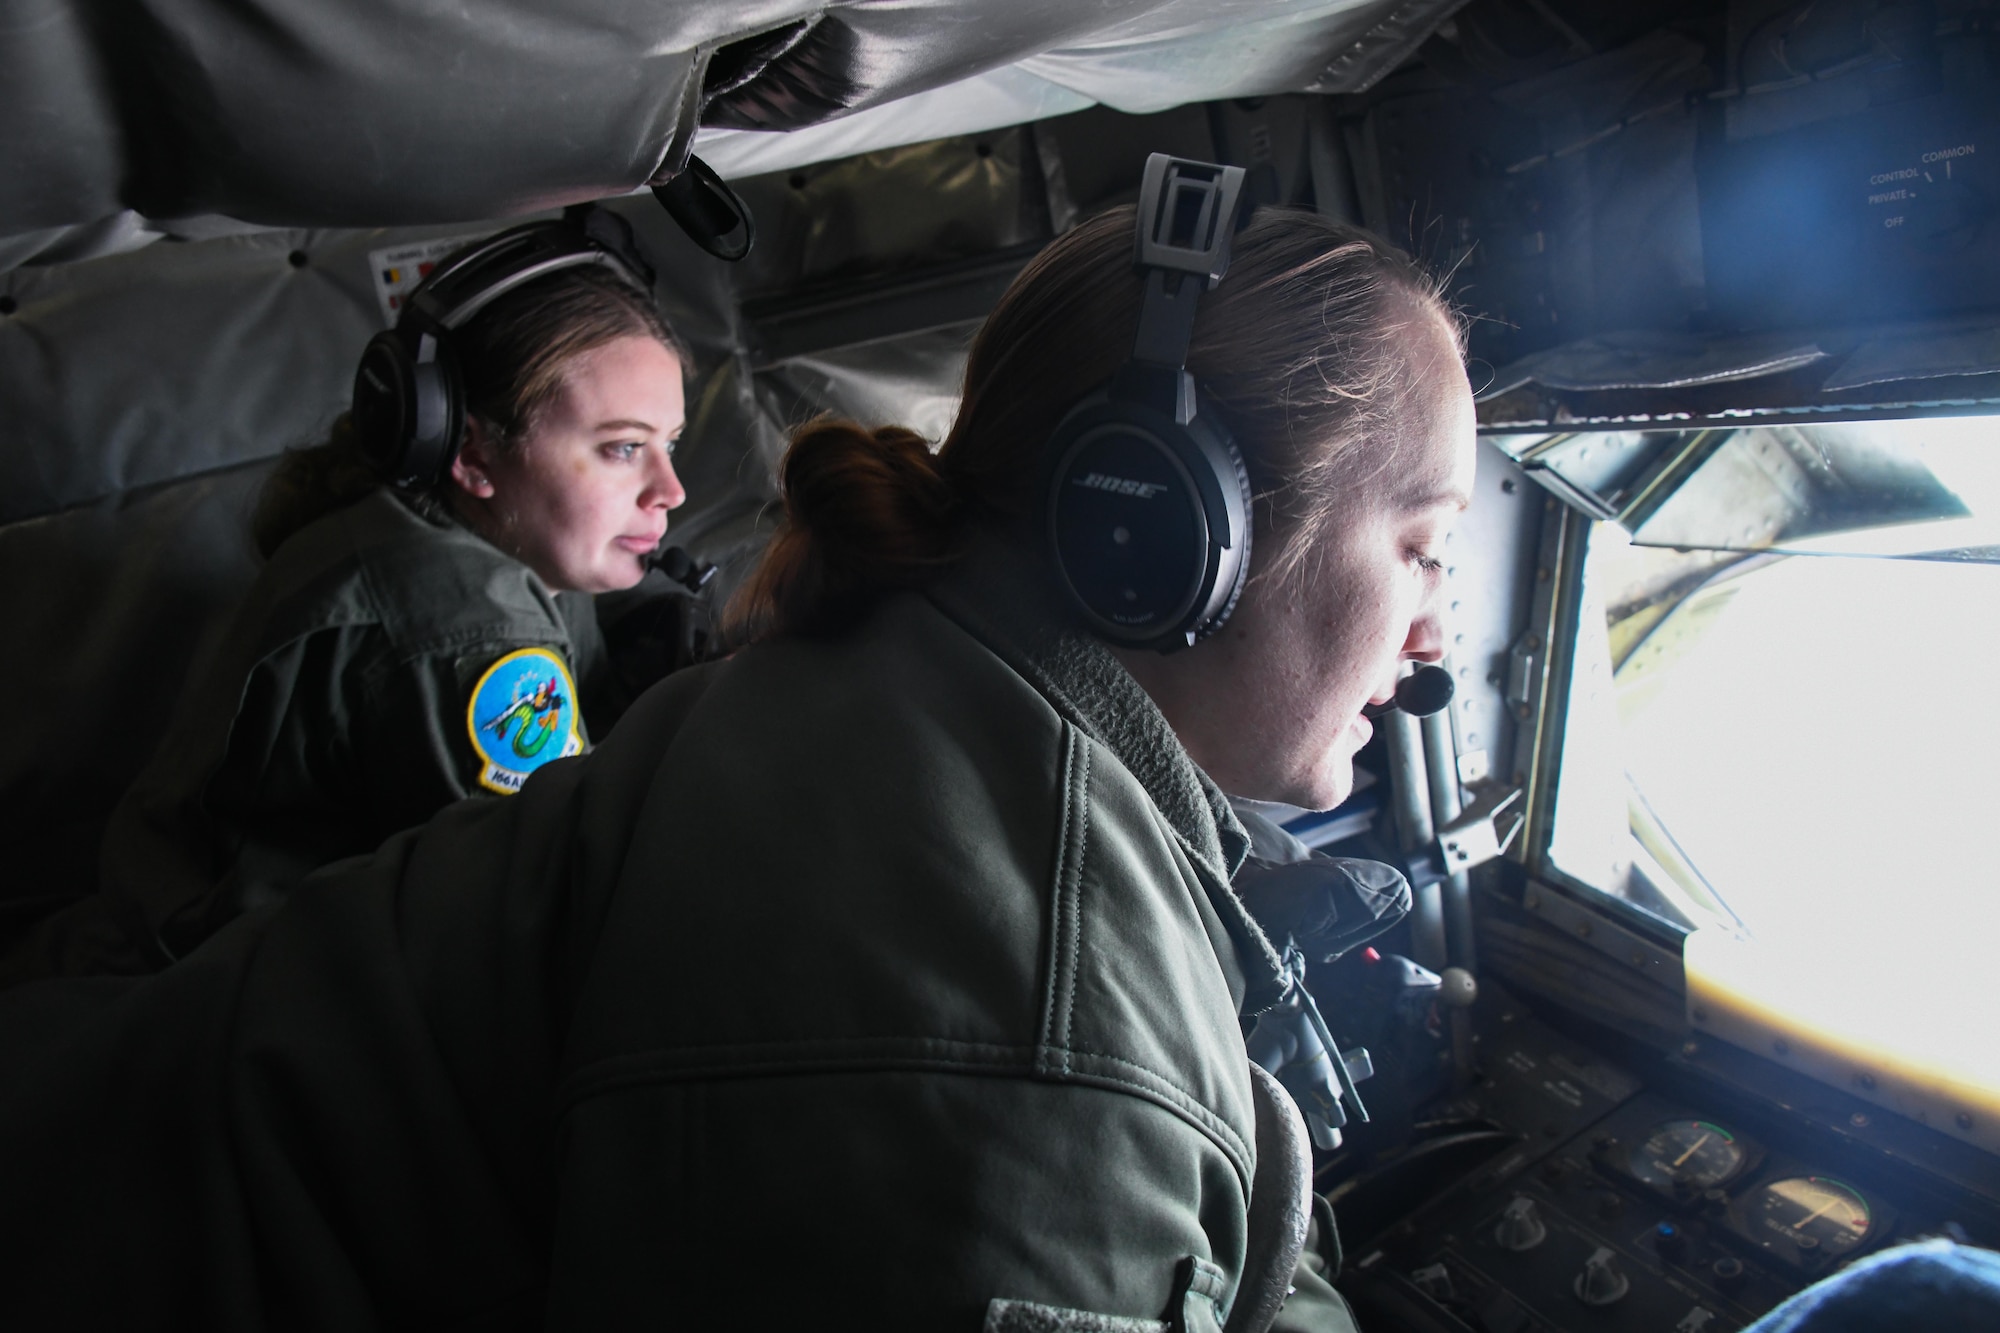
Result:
pixel 1730 272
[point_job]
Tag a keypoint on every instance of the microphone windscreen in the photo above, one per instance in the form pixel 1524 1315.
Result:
pixel 1424 691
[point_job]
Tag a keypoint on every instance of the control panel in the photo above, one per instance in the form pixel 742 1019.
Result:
pixel 1608 1206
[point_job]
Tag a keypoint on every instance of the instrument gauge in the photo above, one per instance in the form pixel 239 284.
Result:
pixel 1689 1156
pixel 1813 1213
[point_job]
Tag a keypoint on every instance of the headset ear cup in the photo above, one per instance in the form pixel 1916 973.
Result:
pixel 1148 521
pixel 383 406
pixel 1233 564
pixel 408 408
pixel 1127 523
pixel 439 421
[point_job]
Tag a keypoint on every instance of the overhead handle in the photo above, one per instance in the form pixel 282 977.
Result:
pixel 708 211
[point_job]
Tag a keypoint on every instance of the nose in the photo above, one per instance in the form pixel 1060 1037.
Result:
pixel 663 485
pixel 1426 638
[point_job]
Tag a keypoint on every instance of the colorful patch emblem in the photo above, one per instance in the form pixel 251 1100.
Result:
pixel 522 715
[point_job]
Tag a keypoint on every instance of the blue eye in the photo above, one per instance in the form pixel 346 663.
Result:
pixel 624 451
pixel 1428 564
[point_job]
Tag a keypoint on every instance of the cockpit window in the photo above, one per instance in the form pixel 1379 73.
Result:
pixel 1928 489
pixel 1783 744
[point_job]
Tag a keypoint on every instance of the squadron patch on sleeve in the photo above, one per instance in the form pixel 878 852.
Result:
pixel 522 715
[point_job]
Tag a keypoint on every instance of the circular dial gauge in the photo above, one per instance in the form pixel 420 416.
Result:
pixel 1688 1154
pixel 1813 1213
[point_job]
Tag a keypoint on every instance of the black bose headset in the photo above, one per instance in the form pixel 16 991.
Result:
pixel 1148 512
pixel 409 393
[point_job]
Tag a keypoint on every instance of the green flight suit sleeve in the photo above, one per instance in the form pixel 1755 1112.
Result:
pixel 438 728
pixel 342 741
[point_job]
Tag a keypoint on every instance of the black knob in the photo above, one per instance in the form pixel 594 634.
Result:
pixel 1727 1272
pixel 1669 1242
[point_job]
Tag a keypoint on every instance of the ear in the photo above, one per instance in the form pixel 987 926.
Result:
pixel 471 467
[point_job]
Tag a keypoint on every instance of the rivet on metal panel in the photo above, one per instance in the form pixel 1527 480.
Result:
pixel 1964 1120
pixel 1781 1046
pixel 1690 1048
pixel 1532 902
pixel 1860 1120
pixel 1867 1081
pixel 1583 929
pixel 1700 1015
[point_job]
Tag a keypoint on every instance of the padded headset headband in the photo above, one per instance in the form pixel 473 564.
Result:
pixel 409 398
pixel 1148 512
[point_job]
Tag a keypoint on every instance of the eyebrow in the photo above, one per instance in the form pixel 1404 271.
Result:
pixel 626 423
pixel 1442 495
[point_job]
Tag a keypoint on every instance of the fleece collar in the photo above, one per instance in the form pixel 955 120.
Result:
pixel 997 592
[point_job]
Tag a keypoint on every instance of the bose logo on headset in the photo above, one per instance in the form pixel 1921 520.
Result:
pixel 1156 564
pixel 1097 481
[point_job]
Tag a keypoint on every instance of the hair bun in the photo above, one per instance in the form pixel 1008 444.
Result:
pixel 866 512
pixel 873 500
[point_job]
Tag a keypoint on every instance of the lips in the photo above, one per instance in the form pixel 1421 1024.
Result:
pixel 639 545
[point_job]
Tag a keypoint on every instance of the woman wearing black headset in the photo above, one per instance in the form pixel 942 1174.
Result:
pixel 887 974
pixel 404 646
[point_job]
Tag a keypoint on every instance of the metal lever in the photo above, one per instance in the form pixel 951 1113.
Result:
pixel 1475 837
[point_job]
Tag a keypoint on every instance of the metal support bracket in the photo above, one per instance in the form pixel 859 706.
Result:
pixel 1482 832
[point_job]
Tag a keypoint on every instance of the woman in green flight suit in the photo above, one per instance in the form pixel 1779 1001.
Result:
pixel 404 646
pixel 886 974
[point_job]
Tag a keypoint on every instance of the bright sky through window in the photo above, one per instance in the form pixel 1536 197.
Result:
pixel 1822 742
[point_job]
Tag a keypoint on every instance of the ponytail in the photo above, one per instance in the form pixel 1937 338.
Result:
pixel 309 484
pixel 866 513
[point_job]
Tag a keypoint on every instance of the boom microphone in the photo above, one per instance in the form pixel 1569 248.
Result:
pixel 1423 692
pixel 694 574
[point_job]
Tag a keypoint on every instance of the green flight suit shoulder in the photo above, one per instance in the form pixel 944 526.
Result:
pixel 339 708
